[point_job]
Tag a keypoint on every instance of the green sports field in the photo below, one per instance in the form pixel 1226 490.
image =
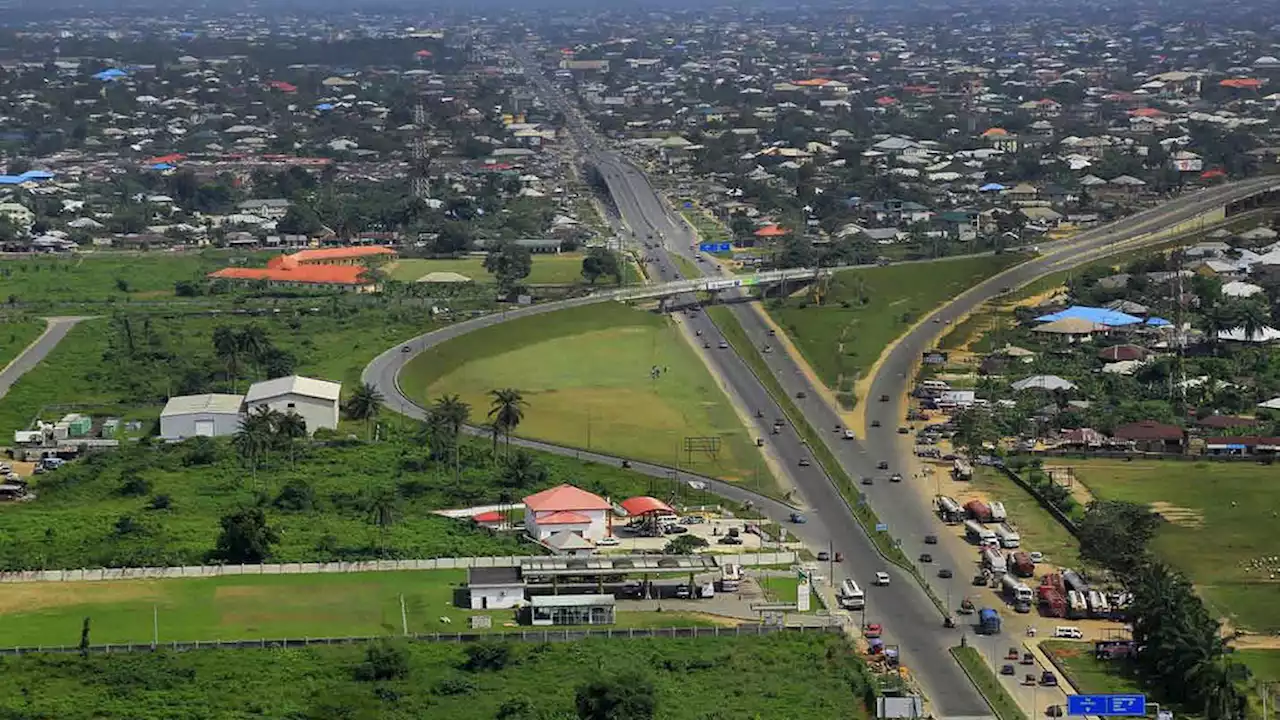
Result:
pixel 248 607
pixel 586 374
pixel 560 269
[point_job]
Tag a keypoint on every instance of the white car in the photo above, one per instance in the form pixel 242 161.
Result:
pixel 610 541
pixel 882 578
pixel 848 434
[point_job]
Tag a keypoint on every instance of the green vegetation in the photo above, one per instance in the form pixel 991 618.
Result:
pixel 548 269
pixel 1218 527
pixel 987 683
pixel 1086 672
pixel 707 227
pixel 683 679
pixel 588 376
pixel 112 277
pixel 1038 529
pixel 863 310
pixel 128 365
pixel 153 504
pixel 786 588
pixel 16 335
pixel 249 607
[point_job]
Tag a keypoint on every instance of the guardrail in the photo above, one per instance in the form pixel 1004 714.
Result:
pixel 568 634
pixel 711 284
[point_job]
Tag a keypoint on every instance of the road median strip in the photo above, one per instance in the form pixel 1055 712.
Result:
pixel 983 678
pixel 883 541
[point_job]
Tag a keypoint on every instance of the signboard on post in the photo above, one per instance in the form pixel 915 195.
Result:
pixel 935 357
pixel 715 247
pixel 1107 705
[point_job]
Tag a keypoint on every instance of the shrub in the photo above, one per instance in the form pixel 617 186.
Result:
pixel 384 659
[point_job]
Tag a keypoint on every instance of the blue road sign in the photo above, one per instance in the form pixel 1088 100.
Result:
pixel 882 527
pixel 1107 705
pixel 715 247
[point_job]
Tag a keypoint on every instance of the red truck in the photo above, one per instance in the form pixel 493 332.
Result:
pixel 1020 564
pixel 1054 580
pixel 978 510
pixel 1052 603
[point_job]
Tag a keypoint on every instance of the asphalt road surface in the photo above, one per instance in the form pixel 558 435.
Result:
pixel 35 352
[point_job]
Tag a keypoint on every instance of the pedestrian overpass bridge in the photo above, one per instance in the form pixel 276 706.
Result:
pixel 677 288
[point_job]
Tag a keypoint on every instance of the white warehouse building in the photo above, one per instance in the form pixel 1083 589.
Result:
pixel 211 415
pixel 315 400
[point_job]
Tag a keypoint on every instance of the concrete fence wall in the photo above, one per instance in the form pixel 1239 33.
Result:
pixel 566 634
pixel 207 571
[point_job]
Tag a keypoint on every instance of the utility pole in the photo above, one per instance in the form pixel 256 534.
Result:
pixel 155 627
pixel 404 616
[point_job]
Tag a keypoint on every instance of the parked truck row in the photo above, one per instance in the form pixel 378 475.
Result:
pixel 1067 595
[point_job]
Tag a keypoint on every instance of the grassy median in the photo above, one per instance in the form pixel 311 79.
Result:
pixel 1002 704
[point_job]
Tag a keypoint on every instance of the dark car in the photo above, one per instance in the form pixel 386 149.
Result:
pixel 1006 669
pixel 405 349
pixel 824 556
pixel 945 574
pixel 675 530
pixel 926 558
pixel 1049 679
pixel 884 398
pixel 706 345
pixel 902 430
pixel 883 465
pixel 875 423
pixel 804 462
pixel 1053 711
pixel 802 395
pixel 730 540
pixel 930 539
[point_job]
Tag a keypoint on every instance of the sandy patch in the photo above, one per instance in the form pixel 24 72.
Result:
pixel 1065 476
pixel 31 597
pixel 1181 516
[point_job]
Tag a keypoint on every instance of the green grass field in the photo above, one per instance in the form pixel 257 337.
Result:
pixel 252 607
pixel 585 373
pixel 709 229
pixel 114 277
pixel 1221 518
pixel 1037 528
pixel 1088 674
pixel 745 677
pixel 867 308
pixel 15 335
pixel 559 269
pixel 326 345
pixel 75 520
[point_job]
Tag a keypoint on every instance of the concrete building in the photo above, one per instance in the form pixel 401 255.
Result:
pixel 566 507
pixel 495 588
pixel 315 400
pixel 211 415
pixel 572 610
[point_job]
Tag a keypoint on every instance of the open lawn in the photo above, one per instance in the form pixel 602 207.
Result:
pixel 252 607
pixel 85 369
pixel 743 677
pixel 1037 528
pixel 112 276
pixel 587 374
pixel 16 334
pixel 93 513
pixel 548 269
pixel 1088 674
pixel 865 309
pixel 709 229
pixel 1221 520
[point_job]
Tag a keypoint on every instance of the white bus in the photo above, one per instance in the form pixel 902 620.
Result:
pixel 730 577
pixel 851 596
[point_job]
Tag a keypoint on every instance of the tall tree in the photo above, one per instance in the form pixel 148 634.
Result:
pixel 246 537
pixel 452 412
pixel 382 513
pixel 629 696
pixel 364 404
pixel 507 410
pixel 509 263
pixel 226 345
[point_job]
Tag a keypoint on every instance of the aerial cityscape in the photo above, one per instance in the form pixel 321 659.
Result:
pixel 661 361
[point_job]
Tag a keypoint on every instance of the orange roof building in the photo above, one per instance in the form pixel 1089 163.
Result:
pixel 567 508
pixel 770 231
pixel 644 505
pixel 1241 83
pixel 341 268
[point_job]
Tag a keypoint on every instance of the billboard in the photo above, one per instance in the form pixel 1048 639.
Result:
pixel 935 357
pixel 715 247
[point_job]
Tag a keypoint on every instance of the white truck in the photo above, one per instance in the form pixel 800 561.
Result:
pixel 998 513
pixel 978 533
pixel 994 561
pixel 1015 590
pixel 1009 537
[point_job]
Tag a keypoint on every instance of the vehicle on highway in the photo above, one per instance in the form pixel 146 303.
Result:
pixel 773 333
pixel 902 430
pixel 872 631
pixel 802 395
pixel 868 480
pixel 875 423
pixel 848 434
pixel 405 349
pixel 896 477
pixel 1007 669
pixel 839 556
pixel 707 345
pixel 884 398
pixel 1028 659
pixel 804 462
pixel 930 539
pixel 1048 679
pixel 766 349
pixel 944 573
pixel 926 558
pixel 882 578
pixel 883 465
pixel 797 518
pixel 824 556
pixel 724 345
pixel 1029 679
pixel 609 541
pixel 698 333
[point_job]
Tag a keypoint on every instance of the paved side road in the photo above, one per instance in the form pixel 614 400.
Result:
pixel 35 352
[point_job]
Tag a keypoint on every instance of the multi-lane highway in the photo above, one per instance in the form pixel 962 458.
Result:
pixel 912 620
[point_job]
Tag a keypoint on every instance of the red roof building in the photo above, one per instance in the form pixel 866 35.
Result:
pixel 1152 436
pixel 565 507
pixel 644 505
pixel 340 267
pixel 770 231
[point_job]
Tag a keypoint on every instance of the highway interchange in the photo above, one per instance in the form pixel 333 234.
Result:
pixel 911 619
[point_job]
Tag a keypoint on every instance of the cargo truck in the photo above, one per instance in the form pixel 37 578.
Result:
pixel 1015 591
pixel 994 561
pixel 1021 564
pixel 1076 606
pixel 977 533
pixel 1098 605
pixel 988 621
pixel 949 510
pixel 1009 537
pixel 1052 603
pixel 1073 581
pixel 997 512
pixel 978 510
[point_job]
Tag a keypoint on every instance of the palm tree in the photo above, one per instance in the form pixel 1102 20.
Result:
pixel 507 410
pixel 364 404
pixel 226 345
pixel 452 412
pixel 1251 317
pixel 253 343
pixel 291 426
pixel 254 437
pixel 520 471
pixel 495 430
pixel 382 513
